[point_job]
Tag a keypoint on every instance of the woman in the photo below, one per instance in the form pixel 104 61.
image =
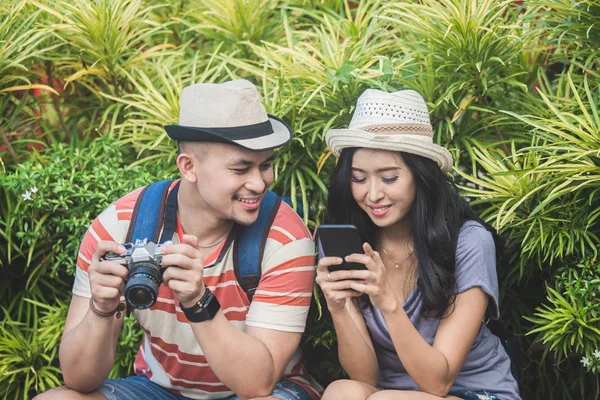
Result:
pixel 410 326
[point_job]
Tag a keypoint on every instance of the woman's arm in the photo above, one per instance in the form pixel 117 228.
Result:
pixel 355 349
pixel 434 368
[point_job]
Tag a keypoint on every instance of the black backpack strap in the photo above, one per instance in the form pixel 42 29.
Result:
pixel 250 245
pixel 151 202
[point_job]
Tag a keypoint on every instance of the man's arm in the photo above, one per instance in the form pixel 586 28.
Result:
pixel 250 363
pixel 89 341
pixel 87 347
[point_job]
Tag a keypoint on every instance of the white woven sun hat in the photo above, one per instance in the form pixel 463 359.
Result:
pixel 397 121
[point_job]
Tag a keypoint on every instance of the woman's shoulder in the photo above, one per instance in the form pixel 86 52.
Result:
pixel 475 244
pixel 476 262
pixel 474 233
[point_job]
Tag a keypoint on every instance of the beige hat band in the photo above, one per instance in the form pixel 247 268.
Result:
pixel 399 129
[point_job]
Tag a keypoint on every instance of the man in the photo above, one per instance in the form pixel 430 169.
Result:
pixel 203 339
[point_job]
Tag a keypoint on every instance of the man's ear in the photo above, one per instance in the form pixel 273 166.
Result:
pixel 186 162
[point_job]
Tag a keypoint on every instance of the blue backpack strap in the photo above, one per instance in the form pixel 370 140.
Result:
pixel 250 245
pixel 151 203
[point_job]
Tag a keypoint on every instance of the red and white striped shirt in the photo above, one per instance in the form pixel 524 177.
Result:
pixel 170 355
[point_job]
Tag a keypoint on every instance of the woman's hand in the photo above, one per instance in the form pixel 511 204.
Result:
pixel 336 285
pixel 375 283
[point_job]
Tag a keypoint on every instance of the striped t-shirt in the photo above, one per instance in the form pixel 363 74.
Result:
pixel 170 355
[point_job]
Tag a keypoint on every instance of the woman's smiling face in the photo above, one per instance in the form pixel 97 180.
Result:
pixel 383 186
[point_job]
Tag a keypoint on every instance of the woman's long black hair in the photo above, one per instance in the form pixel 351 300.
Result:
pixel 437 214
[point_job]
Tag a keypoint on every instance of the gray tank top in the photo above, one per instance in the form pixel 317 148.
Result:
pixel 487 366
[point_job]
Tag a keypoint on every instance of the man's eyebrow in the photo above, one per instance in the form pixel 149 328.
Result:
pixel 241 162
pixel 385 169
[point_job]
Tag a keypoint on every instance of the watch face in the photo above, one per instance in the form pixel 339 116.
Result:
pixel 212 307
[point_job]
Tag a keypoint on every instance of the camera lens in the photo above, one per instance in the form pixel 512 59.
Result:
pixel 141 297
pixel 141 289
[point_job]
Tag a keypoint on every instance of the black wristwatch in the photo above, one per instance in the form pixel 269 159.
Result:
pixel 205 309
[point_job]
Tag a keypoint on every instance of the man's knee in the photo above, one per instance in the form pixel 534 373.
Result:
pixel 64 393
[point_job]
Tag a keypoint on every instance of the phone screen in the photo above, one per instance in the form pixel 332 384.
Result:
pixel 340 241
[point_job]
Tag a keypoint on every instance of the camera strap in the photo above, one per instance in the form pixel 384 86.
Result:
pixel 170 215
pixel 152 202
pixel 249 246
pixel 170 223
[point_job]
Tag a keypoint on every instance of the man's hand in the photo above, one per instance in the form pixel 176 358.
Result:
pixel 107 278
pixel 185 270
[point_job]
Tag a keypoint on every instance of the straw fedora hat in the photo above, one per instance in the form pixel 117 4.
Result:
pixel 229 112
pixel 397 121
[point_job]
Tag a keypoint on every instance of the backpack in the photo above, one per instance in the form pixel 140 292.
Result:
pixel 159 210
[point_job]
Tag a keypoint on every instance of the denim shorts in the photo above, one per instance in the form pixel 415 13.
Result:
pixel 480 395
pixel 140 387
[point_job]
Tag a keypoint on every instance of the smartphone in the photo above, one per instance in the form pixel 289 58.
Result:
pixel 340 241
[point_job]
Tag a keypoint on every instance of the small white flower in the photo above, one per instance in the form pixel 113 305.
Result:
pixel 33 190
pixel 26 196
pixel 585 361
pixel 597 354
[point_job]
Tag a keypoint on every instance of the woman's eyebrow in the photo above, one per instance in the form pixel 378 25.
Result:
pixel 384 169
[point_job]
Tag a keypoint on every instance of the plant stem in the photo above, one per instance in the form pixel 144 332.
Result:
pixel 498 132
pixel 11 151
pixel 52 81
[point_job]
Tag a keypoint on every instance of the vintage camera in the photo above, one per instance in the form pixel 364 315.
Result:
pixel 145 271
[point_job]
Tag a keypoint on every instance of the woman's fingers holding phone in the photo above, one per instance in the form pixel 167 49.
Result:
pixel 326 262
pixel 371 259
pixel 336 294
pixel 337 299
pixel 349 274
pixel 335 284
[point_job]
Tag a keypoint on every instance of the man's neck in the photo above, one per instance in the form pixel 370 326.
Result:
pixel 196 219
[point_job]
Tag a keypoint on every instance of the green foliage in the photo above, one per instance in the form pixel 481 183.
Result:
pixel 23 42
pixel 127 349
pixel 232 23
pixel 28 352
pixel 58 193
pixel 569 324
pixel 19 31
pixel 565 325
pixel 86 87
pixel 468 65
pixel 546 194
pixel 106 38
pixel 571 27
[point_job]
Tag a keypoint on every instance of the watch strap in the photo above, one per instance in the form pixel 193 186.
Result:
pixel 205 309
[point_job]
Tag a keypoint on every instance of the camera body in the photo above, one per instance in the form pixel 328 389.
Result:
pixel 143 259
